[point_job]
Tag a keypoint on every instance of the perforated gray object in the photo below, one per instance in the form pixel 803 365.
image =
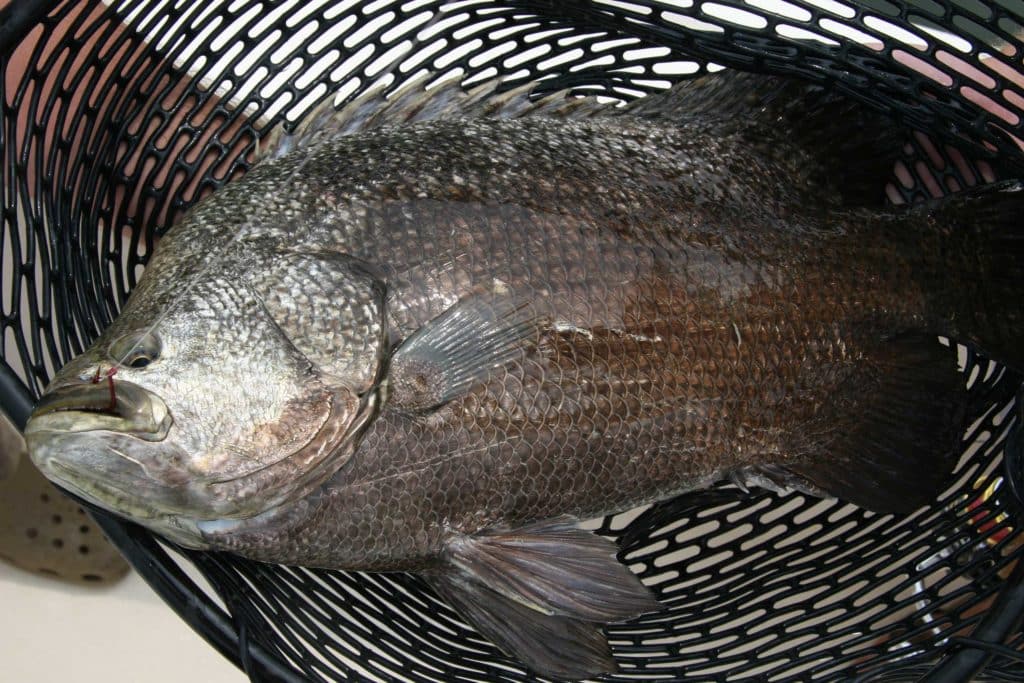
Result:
pixel 115 119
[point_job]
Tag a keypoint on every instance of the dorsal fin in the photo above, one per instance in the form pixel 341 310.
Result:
pixel 420 100
pixel 836 141
pixel 826 138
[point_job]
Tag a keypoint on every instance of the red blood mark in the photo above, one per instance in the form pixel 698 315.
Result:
pixel 109 376
pixel 113 393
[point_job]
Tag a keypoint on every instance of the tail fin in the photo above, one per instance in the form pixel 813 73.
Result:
pixel 889 430
pixel 985 245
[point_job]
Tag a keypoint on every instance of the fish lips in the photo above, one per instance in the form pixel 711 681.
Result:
pixel 119 406
pixel 82 436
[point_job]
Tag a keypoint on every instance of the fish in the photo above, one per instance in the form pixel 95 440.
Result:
pixel 431 331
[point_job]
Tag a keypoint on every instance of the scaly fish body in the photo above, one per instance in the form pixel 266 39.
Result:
pixel 407 348
pixel 688 332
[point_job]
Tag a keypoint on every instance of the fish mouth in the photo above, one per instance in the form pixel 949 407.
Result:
pixel 119 407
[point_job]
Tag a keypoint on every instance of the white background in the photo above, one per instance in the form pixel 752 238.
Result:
pixel 51 631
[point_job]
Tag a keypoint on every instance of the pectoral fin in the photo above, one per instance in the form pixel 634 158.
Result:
pixel 458 349
pixel 542 594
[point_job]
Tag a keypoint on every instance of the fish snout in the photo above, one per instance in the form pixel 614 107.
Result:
pixel 110 405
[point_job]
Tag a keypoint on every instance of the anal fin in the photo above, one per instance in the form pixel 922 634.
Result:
pixel 891 431
pixel 542 594
pixel 771 478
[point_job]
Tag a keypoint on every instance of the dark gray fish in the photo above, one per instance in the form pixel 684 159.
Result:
pixel 429 334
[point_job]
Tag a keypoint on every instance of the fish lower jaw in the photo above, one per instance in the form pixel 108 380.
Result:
pixel 102 495
pixel 181 531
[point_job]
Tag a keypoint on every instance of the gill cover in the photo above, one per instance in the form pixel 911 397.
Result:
pixel 331 309
pixel 330 306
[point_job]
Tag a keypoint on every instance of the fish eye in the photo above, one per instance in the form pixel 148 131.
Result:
pixel 136 350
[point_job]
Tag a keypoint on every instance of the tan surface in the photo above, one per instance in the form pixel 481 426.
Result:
pixel 44 532
pixel 12 447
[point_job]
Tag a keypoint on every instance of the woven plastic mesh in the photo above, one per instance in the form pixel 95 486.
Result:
pixel 116 118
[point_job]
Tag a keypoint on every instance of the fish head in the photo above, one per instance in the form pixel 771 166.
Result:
pixel 198 409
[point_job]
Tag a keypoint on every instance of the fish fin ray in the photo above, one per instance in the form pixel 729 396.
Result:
pixel 458 349
pixel 555 646
pixel 420 100
pixel 371 109
pixel 988 238
pixel 890 435
pixel 542 593
pixel 842 143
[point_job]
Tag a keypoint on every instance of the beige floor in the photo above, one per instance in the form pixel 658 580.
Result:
pixel 52 632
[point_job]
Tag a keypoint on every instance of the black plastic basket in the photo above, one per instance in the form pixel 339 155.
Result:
pixel 115 119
